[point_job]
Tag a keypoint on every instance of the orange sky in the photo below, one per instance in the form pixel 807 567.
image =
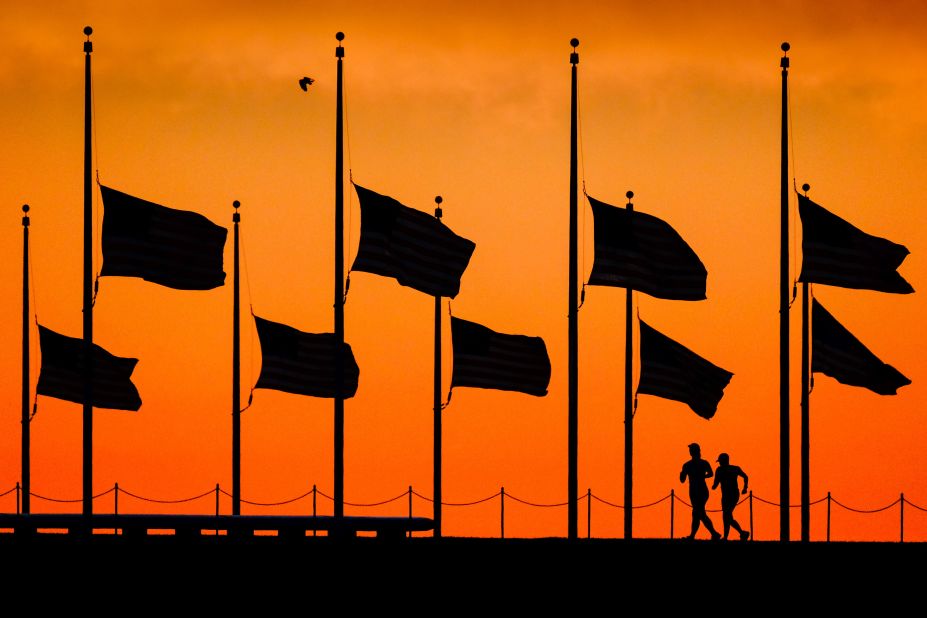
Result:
pixel 196 107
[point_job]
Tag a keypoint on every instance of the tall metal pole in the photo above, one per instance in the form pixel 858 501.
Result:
pixel 236 374
pixel 26 421
pixel 784 311
pixel 339 285
pixel 805 408
pixel 437 402
pixel 628 404
pixel 88 284
pixel 573 313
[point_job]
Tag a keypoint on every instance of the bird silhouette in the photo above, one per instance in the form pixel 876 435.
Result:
pixel 305 82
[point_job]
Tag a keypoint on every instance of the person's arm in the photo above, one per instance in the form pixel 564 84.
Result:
pixel 708 472
pixel 717 480
pixel 746 481
pixel 682 475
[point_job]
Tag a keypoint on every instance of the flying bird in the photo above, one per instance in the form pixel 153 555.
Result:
pixel 305 82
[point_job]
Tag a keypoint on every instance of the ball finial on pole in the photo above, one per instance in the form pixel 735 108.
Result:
pixel 88 30
pixel 785 47
pixel 339 36
pixel 574 42
pixel 805 187
pixel 236 204
pixel 629 194
pixel 25 208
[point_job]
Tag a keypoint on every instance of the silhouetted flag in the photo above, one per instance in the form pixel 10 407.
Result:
pixel 837 353
pixel 62 373
pixel 484 358
pixel 175 248
pixel 302 363
pixel 673 371
pixel 409 245
pixel 834 252
pixel 640 251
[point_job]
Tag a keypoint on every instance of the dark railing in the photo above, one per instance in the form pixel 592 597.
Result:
pixel 502 495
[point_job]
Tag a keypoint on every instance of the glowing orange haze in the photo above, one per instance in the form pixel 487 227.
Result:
pixel 196 107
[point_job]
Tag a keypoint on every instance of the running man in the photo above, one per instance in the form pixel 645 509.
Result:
pixel 697 470
pixel 726 476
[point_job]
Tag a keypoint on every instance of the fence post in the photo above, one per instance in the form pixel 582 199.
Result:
pixel 828 517
pixel 315 525
pixel 502 513
pixel 589 513
pixel 902 517
pixel 752 535
pixel 17 498
pixel 410 511
pixel 672 512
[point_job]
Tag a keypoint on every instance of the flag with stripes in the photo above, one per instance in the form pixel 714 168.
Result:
pixel 62 373
pixel 410 246
pixel 673 371
pixel 302 363
pixel 644 253
pixel 174 248
pixel 834 252
pixel 484 358
pixel 837 353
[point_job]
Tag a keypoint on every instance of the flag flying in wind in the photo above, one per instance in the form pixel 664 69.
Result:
pixel 62 373
pixel 640 251
pixel 673 371
pixel 302 363
pixel 834 252
pixel 837 353
pixel 484 358
pixel 174 248
pixel 411 246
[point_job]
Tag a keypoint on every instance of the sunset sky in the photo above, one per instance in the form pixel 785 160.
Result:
pixel 197 105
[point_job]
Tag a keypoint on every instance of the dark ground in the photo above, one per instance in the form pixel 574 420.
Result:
pixel 422 575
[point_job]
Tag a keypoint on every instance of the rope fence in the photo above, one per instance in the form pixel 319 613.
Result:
pixel 501 495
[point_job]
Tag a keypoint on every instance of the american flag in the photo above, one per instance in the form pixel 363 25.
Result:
pixel 62 373
pixel 835 352
pixel 484 358
pixel 302 363
pixel 173 248
pixel 410 246
pixel 673 371
pixel 639 251
pixel 834 252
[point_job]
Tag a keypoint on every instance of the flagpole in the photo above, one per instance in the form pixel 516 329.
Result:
pixel 573 329
pixel 437 402
pixel 805 408
pixel 339 284
pixel 88 286
pixel 784 310
pixel 26 421
pixel 628 410
pixel 236 374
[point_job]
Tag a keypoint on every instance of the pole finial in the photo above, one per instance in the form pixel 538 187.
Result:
pixel 25 208
pixel 438 211
pixel 339 36
pixel 438 199
pixel 88 31
pixel 574 43
pixel 785 47
pixel 806 187
pixel 236 204
pixel 629 195
pixel 236 217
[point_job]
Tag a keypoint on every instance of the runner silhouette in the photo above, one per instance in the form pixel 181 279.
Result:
pixel 697 470
pixel 726 476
